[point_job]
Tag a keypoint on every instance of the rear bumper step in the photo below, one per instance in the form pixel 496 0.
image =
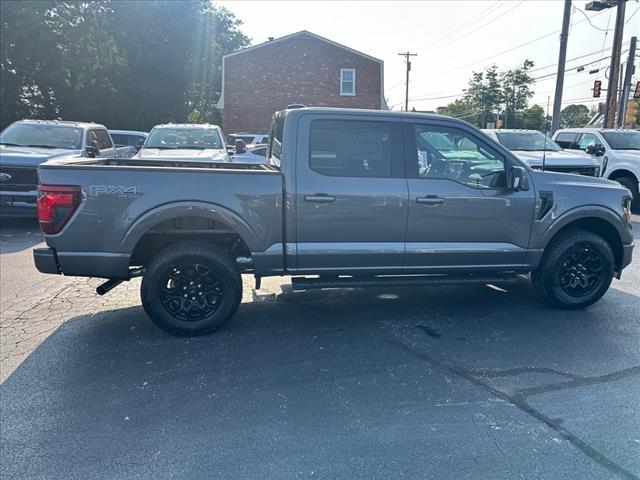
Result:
pixel 305 283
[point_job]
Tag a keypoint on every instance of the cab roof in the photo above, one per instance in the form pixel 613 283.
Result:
pixel 61 122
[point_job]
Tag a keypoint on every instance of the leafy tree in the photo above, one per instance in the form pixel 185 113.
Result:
pixel 125 64
pixel 532 118
pixel 484 93
pixel 462 109
pixel 516 91
pixel 574 116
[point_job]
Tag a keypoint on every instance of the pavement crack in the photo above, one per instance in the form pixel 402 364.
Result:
pixel 520 401
pixel 579 382
pixel 497 373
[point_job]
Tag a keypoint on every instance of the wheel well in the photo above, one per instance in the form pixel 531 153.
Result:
pixel 599 227
pixel 188 229
pixel 622 173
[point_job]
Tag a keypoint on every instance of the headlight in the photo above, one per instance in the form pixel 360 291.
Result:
pixel 626 209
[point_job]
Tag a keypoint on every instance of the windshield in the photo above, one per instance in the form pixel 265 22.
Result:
pixel 42 135
pixel 184 138
pixel 623 140
pixel 527 141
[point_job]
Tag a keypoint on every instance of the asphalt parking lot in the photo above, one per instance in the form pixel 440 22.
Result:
pixel 448 383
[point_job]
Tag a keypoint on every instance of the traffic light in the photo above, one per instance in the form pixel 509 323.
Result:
pixel 632 112
pixel 597 88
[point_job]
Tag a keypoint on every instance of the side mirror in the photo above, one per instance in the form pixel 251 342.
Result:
pixel 518 178
pixel 597 150
pixel 241 147
pixel 92 149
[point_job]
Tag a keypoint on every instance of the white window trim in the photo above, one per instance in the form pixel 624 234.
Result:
pixel 348 94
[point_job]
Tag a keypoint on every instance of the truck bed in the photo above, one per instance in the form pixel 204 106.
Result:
pixel 124 199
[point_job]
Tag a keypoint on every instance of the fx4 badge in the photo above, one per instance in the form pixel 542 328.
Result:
pixel 115 190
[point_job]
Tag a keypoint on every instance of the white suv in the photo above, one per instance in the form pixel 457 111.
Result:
pixel 618 151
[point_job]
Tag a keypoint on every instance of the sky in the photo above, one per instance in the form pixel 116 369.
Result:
pixel 453 38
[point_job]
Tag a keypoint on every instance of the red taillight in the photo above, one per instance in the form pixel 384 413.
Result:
pixel 56 204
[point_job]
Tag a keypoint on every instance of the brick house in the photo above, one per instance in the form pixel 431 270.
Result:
pixel 298 68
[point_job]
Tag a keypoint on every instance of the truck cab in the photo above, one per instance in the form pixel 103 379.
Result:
pixel 617 150
pixel 27 143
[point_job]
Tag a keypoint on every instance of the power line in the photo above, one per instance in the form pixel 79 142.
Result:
pixel 466 34
pixel 467 24
pixel 575 9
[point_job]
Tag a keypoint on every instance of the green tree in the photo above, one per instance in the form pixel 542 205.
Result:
pixel 125 64
pixel 462 109
pixel 574 116
pixel 484 93
pixel 516 92
pixel 532 118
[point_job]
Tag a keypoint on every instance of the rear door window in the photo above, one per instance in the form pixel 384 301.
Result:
pixel 353 148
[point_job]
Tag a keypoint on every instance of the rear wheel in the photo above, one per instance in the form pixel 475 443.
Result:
pixel 191 289
pixel 632 185
pixel 576 270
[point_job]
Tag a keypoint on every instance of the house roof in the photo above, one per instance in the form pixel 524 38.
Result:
pixel 300 34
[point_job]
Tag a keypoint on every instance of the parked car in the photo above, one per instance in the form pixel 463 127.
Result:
pixel 256 154
pixel 350 206
pixel 533 147
pixel 128 138
pixel 250 139
pixel 185 142
pixel 27 143
pixel 618 151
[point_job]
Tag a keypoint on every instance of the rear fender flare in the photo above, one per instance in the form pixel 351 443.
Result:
pixel 168 211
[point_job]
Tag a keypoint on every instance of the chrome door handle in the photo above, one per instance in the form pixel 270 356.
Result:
pixel 430 200
pixel 319 198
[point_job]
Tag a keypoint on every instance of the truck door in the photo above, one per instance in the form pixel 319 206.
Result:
pixel 351 194
pixel 461 213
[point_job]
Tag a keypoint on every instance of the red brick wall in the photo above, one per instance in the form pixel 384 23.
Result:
pixel 301 69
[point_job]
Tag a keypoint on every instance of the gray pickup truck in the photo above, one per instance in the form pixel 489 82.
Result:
pixel 27 143
pixel 349 198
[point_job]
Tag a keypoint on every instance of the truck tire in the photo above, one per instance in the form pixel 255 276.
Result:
pixel 191 289
pixel 576 270
pixel 631 184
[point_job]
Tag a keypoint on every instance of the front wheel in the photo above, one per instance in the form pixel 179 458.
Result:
pixel 576 270
pixel 191 289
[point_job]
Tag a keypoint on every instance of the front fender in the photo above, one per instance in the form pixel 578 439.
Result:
pixel 554 225
pixel 168 211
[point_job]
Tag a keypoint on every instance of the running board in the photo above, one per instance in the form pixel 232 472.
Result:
pixel 306 283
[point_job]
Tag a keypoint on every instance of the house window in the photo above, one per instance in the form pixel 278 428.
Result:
pixel 348 82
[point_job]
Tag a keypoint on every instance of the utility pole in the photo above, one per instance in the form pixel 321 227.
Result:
pixel 626 86
pixel 564 37
pixel 408 62
pixel 614 69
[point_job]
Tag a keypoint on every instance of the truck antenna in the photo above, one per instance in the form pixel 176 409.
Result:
pixel 546 123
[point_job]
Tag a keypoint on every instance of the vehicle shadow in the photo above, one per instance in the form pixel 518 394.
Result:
pixel 111 393
pixel 17 234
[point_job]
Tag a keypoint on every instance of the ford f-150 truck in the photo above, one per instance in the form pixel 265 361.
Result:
pixel 540 151
pixel 349 198
pixel 185 141
pixel 617 150
pixel 27 143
